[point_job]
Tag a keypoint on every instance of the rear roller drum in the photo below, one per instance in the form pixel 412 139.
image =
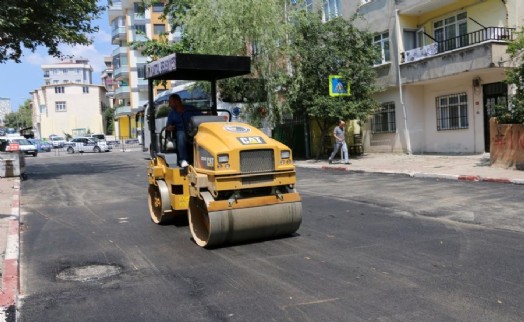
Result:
pixel 159 204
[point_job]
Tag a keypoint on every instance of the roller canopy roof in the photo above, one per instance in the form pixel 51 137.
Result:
pixel 197 67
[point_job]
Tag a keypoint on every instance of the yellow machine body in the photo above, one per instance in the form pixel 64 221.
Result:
pixel 241 186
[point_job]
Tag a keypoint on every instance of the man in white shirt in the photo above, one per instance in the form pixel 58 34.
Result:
pixel 340 142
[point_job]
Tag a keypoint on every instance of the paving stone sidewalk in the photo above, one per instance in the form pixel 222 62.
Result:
pixel 454 167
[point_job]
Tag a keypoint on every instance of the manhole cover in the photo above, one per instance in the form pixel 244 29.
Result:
pixel 89 273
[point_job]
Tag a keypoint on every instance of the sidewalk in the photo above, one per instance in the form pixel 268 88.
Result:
pixel 452 167
pixel 9 246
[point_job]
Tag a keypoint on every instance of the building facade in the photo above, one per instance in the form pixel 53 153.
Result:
pixel 130 23
pixel 74 109
pixel 5 108
pixel 77 71
pixel 443 65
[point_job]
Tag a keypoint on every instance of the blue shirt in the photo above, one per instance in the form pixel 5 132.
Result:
pixel 179 120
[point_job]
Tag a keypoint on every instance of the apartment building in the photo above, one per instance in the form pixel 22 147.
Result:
pixel 5 108
pixel 443 65
pixel 129 23
pixel 76 70
pixel 71 108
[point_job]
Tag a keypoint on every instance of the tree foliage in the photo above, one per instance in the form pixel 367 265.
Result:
pixel 47 23
pixel 514 114
pixel 23 118
pixel 319 50
pixel 232 27
pixel 250 28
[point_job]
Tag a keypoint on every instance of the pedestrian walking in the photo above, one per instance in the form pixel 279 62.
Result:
pixel 340 142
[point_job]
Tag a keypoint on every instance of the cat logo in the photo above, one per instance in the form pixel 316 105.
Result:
pixel 249 140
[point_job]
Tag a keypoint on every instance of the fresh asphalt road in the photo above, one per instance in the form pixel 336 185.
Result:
pixel 370 248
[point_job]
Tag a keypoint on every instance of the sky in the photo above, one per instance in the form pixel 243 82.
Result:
pixel 17 80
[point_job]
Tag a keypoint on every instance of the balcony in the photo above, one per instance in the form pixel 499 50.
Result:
pixel 121 72
pixel 122 91
pixel 118 34
pixel 484 48
pixel 142 84
pixel 115 9
pixel 121 50
pixel 122 111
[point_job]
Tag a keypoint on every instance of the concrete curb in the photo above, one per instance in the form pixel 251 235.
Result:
pixel 442 176
pixel 10 277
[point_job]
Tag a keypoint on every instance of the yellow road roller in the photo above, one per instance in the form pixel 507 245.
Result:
pixel 240 185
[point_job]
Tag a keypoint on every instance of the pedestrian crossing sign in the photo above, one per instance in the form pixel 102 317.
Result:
pixel 338 86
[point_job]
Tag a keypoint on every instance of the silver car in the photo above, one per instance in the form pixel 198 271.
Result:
pixel 83 144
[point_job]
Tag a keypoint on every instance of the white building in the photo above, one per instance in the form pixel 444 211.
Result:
pixel 74 109
pixel 77 71
pixel 5 108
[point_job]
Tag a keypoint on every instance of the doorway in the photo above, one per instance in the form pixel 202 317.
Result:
pixel 494 94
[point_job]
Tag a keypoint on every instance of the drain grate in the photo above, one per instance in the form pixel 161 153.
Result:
pixel 88 273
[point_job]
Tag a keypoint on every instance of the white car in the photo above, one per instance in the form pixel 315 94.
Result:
pixel 25 146
pixel 84 144
pixel 57 141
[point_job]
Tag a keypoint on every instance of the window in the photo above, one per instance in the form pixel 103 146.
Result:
pixel 79 81
pixel 159 29
pixel 139 11
pixel 140 70
pixel 140 29
pixel 60 106
pixel 384 120
pixel 158 7
pixel 64 71
pixel 309 5
pixel 331 9
pixel 42 109
pixel 382 41
pixel 46 73
pixel 85 89
pixel 55 81
pixel 452 112
pixel 59 89
pixel 451 32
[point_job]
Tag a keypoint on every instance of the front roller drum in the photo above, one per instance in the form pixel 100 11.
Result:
pixel 244 224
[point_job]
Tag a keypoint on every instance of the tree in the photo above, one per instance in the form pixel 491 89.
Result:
pixel 243 27
pixel 23 118
pixel 49 23
pixel 514 114
pixel 319 50
pixel 231 27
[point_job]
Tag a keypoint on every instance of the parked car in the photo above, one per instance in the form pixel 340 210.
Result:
pixel 85 144
pixel 41 145
pixel 25 146
pixel 8 146
pixel 101 138
pixel 57 141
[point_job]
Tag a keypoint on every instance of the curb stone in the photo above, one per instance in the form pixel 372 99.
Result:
pixel 473 178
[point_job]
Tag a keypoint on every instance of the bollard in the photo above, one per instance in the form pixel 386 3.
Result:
pixel 12 164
